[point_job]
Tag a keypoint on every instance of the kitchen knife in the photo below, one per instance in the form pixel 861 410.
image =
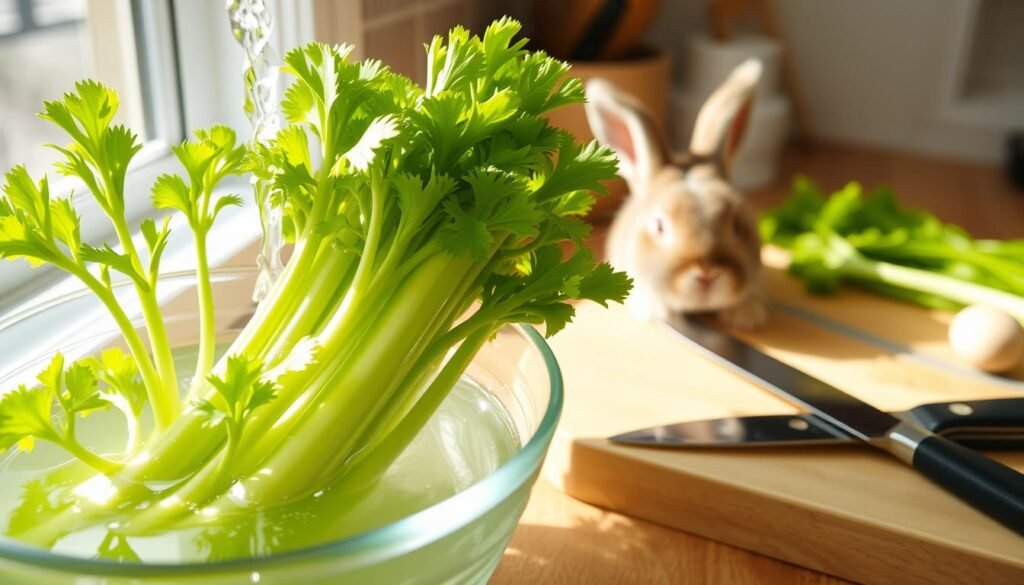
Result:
pixel 988 485
pixel 980 424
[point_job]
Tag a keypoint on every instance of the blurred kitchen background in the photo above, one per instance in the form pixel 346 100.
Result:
pixel 923 95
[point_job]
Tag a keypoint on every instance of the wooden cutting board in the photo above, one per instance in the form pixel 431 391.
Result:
pixel 848 511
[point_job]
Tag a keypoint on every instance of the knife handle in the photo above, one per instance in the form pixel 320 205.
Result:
pixel 988 485
pixel 996 413
pixel 996 423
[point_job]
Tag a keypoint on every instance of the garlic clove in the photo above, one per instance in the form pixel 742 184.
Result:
pixel 987 338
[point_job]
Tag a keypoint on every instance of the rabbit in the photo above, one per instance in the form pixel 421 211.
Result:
pixel 687 238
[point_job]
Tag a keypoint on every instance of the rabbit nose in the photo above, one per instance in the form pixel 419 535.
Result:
pixel 706 276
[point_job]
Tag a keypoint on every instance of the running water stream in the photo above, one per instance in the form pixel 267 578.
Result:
pixel 252 25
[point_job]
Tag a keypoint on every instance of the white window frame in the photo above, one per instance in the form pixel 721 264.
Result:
pixel 197 83
pixel 116 63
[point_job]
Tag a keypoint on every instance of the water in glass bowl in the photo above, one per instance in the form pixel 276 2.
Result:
pixel 469 437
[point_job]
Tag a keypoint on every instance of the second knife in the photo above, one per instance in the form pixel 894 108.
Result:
pixel 997 423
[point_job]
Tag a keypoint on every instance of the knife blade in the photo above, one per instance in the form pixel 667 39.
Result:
pixel 996 423
pixel 985 484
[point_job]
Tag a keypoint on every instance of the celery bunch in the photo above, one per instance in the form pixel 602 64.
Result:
pixel 423 220
pixel 870 240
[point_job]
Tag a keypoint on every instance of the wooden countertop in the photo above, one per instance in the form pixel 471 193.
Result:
pixel 562 540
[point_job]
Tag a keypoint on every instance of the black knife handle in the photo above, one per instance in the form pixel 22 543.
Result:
pixel 988 485
pixel 997 423
pixel 994 413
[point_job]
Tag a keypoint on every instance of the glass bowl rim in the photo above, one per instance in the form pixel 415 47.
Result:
pixel 387 541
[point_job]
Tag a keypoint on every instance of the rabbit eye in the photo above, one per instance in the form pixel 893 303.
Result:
pixel 741 227
pixel 657 226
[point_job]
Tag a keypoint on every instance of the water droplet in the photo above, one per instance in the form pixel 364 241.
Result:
pixel 237 491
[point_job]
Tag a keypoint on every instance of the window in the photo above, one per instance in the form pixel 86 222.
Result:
pixel 47 45
pixel 31 33
pixel 175 66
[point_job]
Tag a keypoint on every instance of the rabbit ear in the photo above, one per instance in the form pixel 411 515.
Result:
pixel 722 120
pixel 621 123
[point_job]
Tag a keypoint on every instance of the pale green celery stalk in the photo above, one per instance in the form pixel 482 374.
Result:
pixel 378 458
pixel 268 425
pixel 282 297
pixel 419 377
pixel 275 309
pixel 65 438
pixel 97 462
pixel 327 433
pixel 204 291
pixel 167 408
pixel 149 375
pixel 415 385
pixel 345 296
pixel 134 442
pixel 168 404
pixel 266 433
pixel 206 484
pixel 258 336
pixel 84 513
pixel 210 477
pixel 330 280
pixel 398 404
pixel 214 477
pixel 415 376
pixel 363 471
pixel 350 324
pixel 365 272
pixel 209 481
pixel 300 307
pixel 165 461
pixel 377 285
pixel 1010 272
pixel 290 287
pixel 954 289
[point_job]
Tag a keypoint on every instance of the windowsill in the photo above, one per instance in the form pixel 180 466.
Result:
pixel 19 282
pixel 233 242
pixel 236 228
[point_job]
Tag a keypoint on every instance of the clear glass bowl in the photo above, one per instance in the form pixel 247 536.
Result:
pixel 459 540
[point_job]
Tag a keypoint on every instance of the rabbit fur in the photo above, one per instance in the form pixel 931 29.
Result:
pixel 685 235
